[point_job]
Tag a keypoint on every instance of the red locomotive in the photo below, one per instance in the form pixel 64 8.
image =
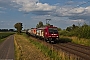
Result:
pixel 48 33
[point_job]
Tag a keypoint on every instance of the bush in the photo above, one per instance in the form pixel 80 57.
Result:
pixel 65 40
pixel 80 31
pixel 84 32
pixel 63 32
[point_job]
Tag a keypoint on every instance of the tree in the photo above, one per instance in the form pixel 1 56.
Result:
pixel 19 27
pixel 47 24
pixel 69 28
pixel 40 24
pixel 59 29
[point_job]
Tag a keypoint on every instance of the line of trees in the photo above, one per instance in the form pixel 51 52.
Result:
pixel 7 30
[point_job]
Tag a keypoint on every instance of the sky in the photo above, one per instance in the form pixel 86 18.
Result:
pixel 63 13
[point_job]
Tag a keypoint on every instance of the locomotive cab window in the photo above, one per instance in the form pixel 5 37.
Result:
pixel 53 31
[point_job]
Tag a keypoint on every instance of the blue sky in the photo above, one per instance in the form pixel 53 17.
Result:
pixel 63 13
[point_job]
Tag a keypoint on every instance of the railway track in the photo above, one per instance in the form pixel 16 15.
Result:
pixel 78 50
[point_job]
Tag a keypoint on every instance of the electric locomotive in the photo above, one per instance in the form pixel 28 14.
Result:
pixel 48 33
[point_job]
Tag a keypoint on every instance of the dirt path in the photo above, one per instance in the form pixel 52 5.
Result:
pixel 28 50
pixel 7 49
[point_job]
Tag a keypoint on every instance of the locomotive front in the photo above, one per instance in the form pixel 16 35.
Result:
pixel 51 34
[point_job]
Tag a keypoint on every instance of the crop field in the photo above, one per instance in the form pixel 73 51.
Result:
pixel 4 35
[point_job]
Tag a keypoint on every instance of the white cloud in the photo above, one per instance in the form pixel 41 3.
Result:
pixel 87 9
pixel 77 10
pixel 38 8
pixel 69 11
pixel 32 5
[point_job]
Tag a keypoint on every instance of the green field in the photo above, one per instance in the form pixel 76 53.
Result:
pixel 4 35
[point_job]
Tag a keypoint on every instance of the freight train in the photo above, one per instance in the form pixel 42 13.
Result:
pixel 48 33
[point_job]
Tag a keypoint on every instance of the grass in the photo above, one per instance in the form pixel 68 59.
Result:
pixel 17 51
pixel 48 52
pixel 24 50
pixel 81 41
pixel 1 40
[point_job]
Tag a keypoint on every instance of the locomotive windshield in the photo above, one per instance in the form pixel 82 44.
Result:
pixel 53 31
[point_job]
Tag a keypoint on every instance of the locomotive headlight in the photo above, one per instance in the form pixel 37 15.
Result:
pixel 57 36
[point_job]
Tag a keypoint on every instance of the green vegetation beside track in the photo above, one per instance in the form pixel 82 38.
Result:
pixel 47 51
pixel 76 40
pixel 78 34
